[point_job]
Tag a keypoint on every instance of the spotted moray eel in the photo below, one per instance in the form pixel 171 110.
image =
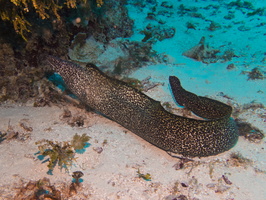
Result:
pixel 147 118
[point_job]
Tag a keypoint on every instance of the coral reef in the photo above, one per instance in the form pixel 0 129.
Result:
pixel 21 68
pixel 111 22
pixel 125 55
pixel 21 63
pixel 18 11
pixel 87 52
pixel 19 81
pixel 22 75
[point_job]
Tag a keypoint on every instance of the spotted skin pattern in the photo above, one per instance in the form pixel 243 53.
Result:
pixel 147 118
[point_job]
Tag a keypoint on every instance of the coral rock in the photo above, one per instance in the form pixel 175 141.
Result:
pixel 202 52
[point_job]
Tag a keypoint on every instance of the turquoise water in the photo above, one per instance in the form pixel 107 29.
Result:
pixel 239 27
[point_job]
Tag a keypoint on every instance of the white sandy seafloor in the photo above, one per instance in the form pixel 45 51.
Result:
pixel 112 174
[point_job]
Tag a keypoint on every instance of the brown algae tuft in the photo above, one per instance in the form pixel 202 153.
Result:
pixel 44 189
pixel 250 133
pixel 237 160
pixel 61 153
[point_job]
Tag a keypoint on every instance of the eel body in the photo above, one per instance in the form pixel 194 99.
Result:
pixel 147 118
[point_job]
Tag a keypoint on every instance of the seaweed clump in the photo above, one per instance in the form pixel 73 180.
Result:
pixel 12 134
pixel 250 133
pixel 41 189
pixel 61 153
pixel 44 189
pixel 76 182
pixel 237 160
